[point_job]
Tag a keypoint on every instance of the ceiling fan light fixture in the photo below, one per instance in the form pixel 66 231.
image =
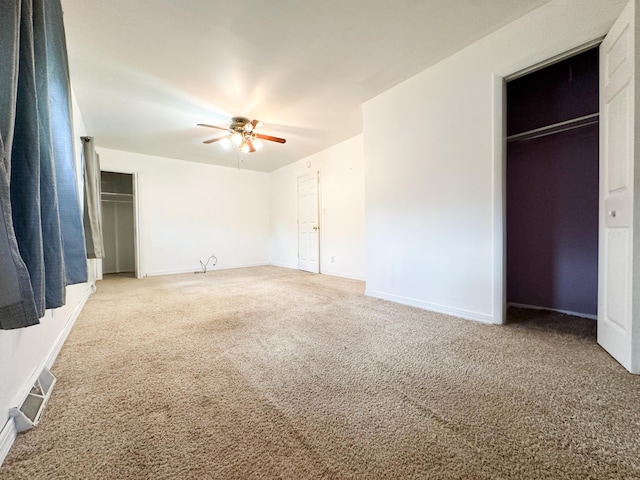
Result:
pixel 225 143
pixel 242 135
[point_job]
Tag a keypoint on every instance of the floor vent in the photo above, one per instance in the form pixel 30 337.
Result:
pixel 29 413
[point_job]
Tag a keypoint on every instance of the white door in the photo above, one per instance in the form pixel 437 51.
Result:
pixel 616 330
pixel 308 226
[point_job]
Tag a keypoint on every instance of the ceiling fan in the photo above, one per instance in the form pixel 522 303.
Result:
pixel 242 133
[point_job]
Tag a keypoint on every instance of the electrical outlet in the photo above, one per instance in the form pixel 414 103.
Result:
pixel 333 259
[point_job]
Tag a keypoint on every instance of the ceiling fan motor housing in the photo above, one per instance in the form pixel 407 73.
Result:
pixel 238 123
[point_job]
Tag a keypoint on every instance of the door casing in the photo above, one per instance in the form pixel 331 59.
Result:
pixel 139 273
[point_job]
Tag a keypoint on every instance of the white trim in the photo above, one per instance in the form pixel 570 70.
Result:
pixel 498 219
pixel 434 307
pixel 344 275
pixel 320 218
pixel 55 349
pixel 9 431
pixel 555 59
pixel 565 312
pixel 137 242
pixel 136 224
pixel 499 168
pixel 329 274
pixel 7 437
pixel 292 266
pixel 195 270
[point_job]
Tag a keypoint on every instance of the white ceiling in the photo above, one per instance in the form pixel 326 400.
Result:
pixel 146 71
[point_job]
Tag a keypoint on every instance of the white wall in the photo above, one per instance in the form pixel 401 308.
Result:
pixel 342 232
pixel 189 211
pixel 24 352
pixel 434 164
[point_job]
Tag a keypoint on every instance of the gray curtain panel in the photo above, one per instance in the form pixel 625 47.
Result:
pixel 25 160
pixel 42 227
pixel 92 204
pixel 17 305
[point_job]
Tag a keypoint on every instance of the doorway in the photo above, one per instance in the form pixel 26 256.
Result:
pixel 118 223
pixel 617 325
pixel 552 181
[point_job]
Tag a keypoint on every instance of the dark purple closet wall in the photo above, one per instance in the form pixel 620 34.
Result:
pixel 559 92
pixel 552 189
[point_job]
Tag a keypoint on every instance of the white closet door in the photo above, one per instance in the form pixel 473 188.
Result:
pixel 618 310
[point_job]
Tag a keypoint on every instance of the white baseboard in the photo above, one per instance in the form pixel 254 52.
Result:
pixel 57 346
pixel 9 431
pixel 566 312
pixel 285 265
pixel 434 307
pixel 7 437
pixel 343 275
pixel 323 272
pixel 209 269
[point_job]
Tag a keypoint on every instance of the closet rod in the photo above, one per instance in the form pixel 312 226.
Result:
pixel 555 128
pixel 114 200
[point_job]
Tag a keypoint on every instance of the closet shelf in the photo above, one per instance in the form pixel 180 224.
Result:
pixel 115 194
pixel 111 197
pixel 559 127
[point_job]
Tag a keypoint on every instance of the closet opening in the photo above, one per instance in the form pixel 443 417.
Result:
pixel 551 194
pixel 119 224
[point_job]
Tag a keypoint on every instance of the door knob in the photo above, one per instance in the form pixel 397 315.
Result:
pixel 316 228
pixel 612 213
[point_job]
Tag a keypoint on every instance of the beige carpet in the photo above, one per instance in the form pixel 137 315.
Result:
pixel 272 373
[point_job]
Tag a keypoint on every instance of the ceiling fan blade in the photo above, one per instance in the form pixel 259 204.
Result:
pixel 212 126
pixel 270 138
pixel 213 140
pixel 251 147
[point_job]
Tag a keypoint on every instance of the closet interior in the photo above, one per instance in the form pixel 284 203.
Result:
pixel 118 227
pixel 552 187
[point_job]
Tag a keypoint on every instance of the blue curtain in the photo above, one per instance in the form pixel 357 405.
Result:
pixel 75 253
pixel 41 238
